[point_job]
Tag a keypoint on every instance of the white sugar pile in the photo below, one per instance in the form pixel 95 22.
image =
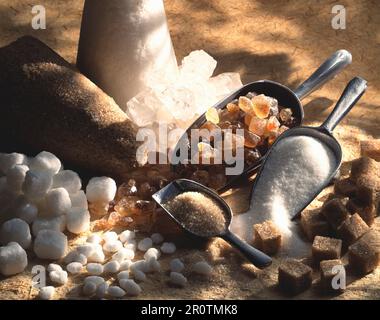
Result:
pixel 295 170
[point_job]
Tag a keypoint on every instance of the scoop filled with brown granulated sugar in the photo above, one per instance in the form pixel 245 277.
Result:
pixel 203 213
pixel 198 213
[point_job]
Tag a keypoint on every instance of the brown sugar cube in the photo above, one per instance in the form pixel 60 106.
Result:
pixel 367 213
pixel 345 187
pixel 334 212
pixel 328 272
pixel 364 167
pixel 352 229
pixel 267 237
pixel 325 248
pixel 294 277
pixel 364 254
pixel 368 192
pixel 313 224
pixel 370 148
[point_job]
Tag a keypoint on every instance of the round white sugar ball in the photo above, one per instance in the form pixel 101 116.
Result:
pixel 157 238
pixel 94 279
pixel 78 220
pixel 125 265
pixel 178 279
pixel 25 210
pixel 46 293
pixel 58 202
pixel 112 246
pixel 153 265
pixel 176 265
pixel 94 238
pixel 79 200
pixel 101 190
pixel 126 236
pixel 95 269
pixel 8 160
pixel 67 179
pixel 202 268
pixel 112 267
pixel 138 275
pixel 130 286
pixel 36 184
pixel 101 290
pixel 50 244
pixel 54 267
pixel 152 253
pixel 58 277
pixel 16 176
pixel 123 275
pixel 89 289
pixel 13 259
pixel 123 254
pixel 97 256
pixel 87 249
pixel 141 265
pixel 145 244
pixel 15 230
pixel 74 267
pixel 45 161
pixel 55 224
pixel 115 292
pixel 110 236
pixel 168 248
pixel 131 245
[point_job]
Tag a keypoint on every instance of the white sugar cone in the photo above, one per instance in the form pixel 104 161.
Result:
pixel 122 42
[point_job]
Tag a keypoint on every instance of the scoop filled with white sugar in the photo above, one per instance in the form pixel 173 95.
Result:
pixel 202 213
pixel 298 167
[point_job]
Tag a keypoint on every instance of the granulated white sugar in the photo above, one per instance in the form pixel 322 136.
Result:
pixel 293 172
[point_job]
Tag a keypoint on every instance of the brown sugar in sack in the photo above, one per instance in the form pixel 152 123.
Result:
pixel 45 104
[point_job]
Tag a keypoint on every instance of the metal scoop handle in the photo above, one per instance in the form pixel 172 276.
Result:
pixel 256 257
pixel 331 67
pixel 351 94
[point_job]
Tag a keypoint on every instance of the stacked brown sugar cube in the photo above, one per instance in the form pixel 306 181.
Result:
pixel 343 224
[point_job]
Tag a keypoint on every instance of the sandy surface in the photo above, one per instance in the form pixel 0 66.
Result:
pixel 278 40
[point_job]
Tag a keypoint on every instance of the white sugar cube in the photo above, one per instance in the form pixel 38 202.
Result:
pixel 74 267
pixel 79 200
pixel 178 279
pixel 13 259
pixel 78 220
pixel 69 180
pixel 126 236
pixel 177 265
pixel 8 160
pixel 101 190
pixel 157 238
pixel 15 230
pixel 54 267
pixel 46 293
pixel 130 286
pixel 57 202
pixel 50 244
pixel 36 184
pixel 45 161
pixel 16 176
pixel 54 224
pixel 95 269
pixel 145 244
pixel 168 248
pixel 202 268
pixel 115 292
pixel 58 277
pixel 112 267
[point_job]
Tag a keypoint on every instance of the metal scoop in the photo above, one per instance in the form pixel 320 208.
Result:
pixel 318 160
pixel 286 97
pixel 256 257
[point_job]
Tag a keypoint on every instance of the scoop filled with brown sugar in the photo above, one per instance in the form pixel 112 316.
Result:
pixel 198 213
